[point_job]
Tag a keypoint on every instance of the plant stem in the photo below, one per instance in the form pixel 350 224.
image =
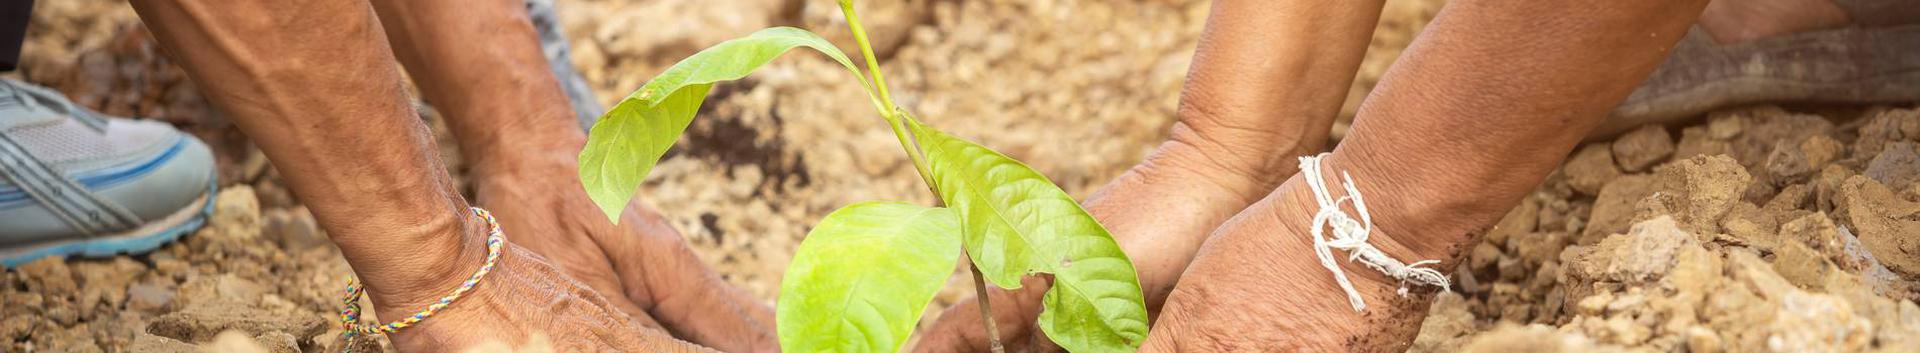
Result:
pixel 986 311
pixel 897 119
pixel 901 122
pixel 866 51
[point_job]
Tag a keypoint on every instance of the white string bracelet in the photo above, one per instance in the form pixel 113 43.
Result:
pixel 1351 236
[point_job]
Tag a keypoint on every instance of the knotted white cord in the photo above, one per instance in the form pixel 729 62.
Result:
pixel 1351 236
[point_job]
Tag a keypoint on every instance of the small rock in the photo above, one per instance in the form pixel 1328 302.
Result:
pixel 106 283
pixel 17 327
pixel 1522 219
pixel 1702 340
pixel 1885 223
pixel 148 297
pixel 1787 163
pixel 225 288
pixel 1695 141
pixel 1535 248
pixel 1817 232
pixel 50 276
pixel 1483 256
pixel 1886 127
pixel 1748 225
pixel 1808 322
pixel 1627 303
pixel 1642 147
pixel 1725 127
pixel 200 323
pixel 294 228
pixel 238 342
pixel 1613 209
pixel 1622 330
pixel 1801 266
pixel 1896 166
pixel 1590 168
pixel 147 342
pixel 1448 320
pixel 1698 190
pixel 1821 150
pixel 1646 252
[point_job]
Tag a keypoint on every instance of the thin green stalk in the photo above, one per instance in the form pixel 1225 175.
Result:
pixel 866 51
pixel 899 121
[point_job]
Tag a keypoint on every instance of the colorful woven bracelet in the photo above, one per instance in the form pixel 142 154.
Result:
pixel 350 315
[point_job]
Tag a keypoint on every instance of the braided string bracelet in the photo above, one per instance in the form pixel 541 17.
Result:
pixel 350 316
pixel 1351 236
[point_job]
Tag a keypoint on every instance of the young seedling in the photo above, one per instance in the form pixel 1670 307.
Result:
pixel 864 274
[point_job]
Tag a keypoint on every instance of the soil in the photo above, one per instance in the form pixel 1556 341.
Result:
pixel 1764 230
pixel 1798 224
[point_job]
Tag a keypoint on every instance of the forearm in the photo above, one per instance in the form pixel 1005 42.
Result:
pixel 1267 80
pixel 479 62
pixel 1489 100
pixel 313 85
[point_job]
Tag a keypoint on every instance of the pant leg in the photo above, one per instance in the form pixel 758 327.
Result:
pixel 554 44
pixel 14 15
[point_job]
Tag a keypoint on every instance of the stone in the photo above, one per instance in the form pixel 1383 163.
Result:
pixel 201 323
pixel 50 276
pixel 1590 168
pixel 1702 340
pixel 1897 166
pixel 1521 220
pixel 150 343
pixel 1614 208
pixel 1448 321
pixel 149 297
pixel 1644 253
pixel 226 289
pixel 1801 266
pixel 1698 191
pixel 1885 224
pixel 1808 322
pixel 1695 141
pixel 1641 148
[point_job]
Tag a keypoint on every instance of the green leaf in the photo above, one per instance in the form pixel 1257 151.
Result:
pixel 1015 222
pixel 864 275
pixel 630 138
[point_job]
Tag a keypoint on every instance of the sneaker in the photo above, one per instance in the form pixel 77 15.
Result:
pixel 74 182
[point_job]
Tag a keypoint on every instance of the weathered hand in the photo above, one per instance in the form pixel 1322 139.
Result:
pixel 1254 286
pixel 1251 104
pixel 527 297
pixel 641 265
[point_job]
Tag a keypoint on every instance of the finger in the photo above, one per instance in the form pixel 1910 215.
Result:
pixel 520 221
pixel 960 329
pixel 687 296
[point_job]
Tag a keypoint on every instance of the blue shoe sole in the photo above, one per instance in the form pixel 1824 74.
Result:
pixel 109 246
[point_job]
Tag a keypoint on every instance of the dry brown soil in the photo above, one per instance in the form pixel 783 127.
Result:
pixel 1759 229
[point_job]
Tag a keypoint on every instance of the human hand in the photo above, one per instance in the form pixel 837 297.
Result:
pixel 642 265
pixel 524 297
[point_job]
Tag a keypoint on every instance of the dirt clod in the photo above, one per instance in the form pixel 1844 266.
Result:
pixel 1642 147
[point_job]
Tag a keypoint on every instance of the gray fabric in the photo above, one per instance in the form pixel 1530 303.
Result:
pixel 554 44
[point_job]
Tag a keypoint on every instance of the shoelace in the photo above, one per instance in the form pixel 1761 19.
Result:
pixel 1351 235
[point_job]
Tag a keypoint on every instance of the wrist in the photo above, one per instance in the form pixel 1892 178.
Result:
pixel 426 270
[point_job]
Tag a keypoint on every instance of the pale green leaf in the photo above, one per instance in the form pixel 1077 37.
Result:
pixel 632 136
pixel 1016 222
pixel 864 275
